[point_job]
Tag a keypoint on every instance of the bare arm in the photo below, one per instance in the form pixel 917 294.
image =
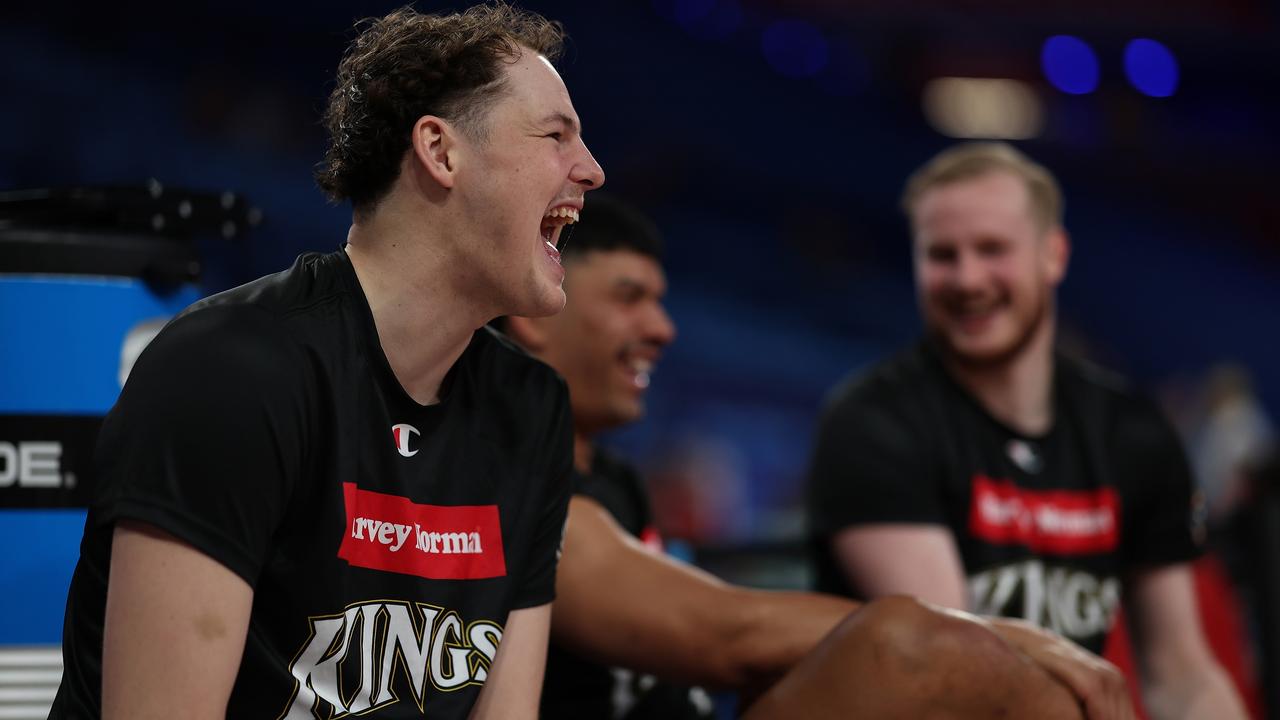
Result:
pixel 175 629
pixel 1181 678
pixel 515 680
pixel 621 604
pixel 903 559
pixel 922 560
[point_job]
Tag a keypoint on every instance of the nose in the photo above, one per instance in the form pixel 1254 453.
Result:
pixel 968 271
pixel 586 171
pixel 660 329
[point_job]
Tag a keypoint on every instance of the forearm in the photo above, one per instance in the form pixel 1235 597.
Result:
pixel 1181 677
pixel 619 604
pixel 1204 695
pixel 772 631
pixel 696 630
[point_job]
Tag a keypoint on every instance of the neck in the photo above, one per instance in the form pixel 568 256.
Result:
pixel 584 452
pixel 424 318
pixel 1017 391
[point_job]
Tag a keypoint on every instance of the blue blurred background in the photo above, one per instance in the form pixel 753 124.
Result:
pixel 770 141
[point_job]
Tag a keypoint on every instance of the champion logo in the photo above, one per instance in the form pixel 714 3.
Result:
pixel 402 433
pixel 1024 455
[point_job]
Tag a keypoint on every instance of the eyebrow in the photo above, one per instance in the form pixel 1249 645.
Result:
pixel 563 119
pixel 628 284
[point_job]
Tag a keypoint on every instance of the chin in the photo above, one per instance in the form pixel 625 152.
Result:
pixel 980 351
pixel 627 413
pixel 979 356
pixel 548 302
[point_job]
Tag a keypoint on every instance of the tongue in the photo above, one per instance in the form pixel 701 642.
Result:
pixel 551 251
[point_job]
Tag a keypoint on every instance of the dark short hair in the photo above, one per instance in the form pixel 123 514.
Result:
pixel 407 65
pixel 607 223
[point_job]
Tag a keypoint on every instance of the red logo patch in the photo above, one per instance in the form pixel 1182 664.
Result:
pixel 1052 521
pixel 441 542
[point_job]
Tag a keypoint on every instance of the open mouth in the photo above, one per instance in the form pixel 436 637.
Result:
pixel 972 317
pixel 554 221
pixel 638 369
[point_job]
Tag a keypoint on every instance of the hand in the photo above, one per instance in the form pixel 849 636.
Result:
pixel 1098 684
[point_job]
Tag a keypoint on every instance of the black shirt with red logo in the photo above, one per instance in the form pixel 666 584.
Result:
pixel 577 688
pixel 1046 526
pixel 385 541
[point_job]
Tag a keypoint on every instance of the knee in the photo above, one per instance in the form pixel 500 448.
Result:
pixel 910 635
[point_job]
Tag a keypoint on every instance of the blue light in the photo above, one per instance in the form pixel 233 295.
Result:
pixel 795 48
pixel 1151 68
pixel 1070 64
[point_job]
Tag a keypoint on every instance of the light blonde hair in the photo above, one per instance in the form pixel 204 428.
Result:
pixel 970 160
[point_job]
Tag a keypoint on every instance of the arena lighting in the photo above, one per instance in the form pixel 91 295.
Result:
pixel 986 108
pixel 1151 67
pixel 1070 64
pixel 795 48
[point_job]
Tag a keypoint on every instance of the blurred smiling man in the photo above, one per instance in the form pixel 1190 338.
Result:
pixel 983 469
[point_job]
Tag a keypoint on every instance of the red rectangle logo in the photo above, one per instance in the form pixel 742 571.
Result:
pixel 1053 521
pixel 441 542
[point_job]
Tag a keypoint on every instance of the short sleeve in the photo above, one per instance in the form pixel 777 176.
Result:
pixel 1163 518
pixel 868 466
pixel 206 440
pixel 539 583
pixel 617 487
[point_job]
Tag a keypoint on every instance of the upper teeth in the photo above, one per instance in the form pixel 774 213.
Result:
pixel 567 214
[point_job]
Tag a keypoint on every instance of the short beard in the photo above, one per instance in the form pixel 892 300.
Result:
pixel 1039 317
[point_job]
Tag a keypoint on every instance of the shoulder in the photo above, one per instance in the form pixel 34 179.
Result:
pixel 607 463
pixel 891 386
pixel 248 334
pixel 1104 387
pixel 217 363
pixel 312 280
pixel 1089 376
pixel 1112 400
pixel 515 372
pixel 609 469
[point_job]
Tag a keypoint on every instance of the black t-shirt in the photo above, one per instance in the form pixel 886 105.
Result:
pixel 576 688
pixel 1046 526
pixel 385 541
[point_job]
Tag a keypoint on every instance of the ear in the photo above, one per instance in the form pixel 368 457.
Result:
pixel 1057 254
pixel 530 333
pixel 435 147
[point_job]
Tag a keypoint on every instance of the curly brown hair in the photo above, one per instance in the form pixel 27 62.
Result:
pixel 406 65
